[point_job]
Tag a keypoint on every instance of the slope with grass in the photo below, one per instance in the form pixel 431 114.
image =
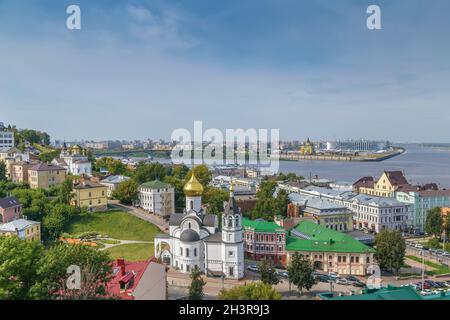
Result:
pixel 117 224
pixel 132 252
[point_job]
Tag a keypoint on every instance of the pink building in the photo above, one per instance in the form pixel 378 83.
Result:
pixel 10 209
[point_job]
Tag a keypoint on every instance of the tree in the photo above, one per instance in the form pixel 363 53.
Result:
pixel 252 291
pixel 268 273
pixel 390 250
pixel 3 171
pixel 214 199
pixel 267 206
pixel 434 223
pixel 148 172
pixel 95 267
pixel 18 261
pixel 126 192
pixel 179 193
pixel 55 221
pixel 300 272
pixel 197 284
pixel 112 165
pixel 64 192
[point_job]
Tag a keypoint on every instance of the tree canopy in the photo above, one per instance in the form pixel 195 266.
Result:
pixel 434 223
pixel 390 250
pixel 300 272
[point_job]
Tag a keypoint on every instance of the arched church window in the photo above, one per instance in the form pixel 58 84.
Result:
pixel 191 205
pixel 230 222
pixel 236 221
pixel 195 252
pixel 189 225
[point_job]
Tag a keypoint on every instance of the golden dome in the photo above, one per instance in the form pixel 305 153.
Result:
pixel 193 188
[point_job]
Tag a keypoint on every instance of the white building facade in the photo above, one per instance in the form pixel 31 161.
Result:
pixel 369 212
pixel 194 239
pixel 157 197
pixel 6 137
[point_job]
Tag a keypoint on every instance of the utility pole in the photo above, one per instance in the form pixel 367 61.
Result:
pixel 423 267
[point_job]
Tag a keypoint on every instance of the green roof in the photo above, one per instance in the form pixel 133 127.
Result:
pixel 155 184
pixel 317 238
pixel 261 225
pixel 385 293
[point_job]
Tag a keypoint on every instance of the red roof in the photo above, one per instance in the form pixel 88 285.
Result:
pixel 133 270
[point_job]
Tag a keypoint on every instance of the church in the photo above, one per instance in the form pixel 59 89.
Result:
pixel 195 239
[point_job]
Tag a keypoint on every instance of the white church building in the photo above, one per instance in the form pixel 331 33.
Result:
pixel 194 238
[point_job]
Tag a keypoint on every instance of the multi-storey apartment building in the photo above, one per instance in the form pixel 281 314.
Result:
pixel 89 194
pixel 45 176
pixel 6 137
pixel 157 197
pixel 421 202
pixel 369 212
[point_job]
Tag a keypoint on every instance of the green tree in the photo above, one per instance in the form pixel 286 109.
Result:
pixel 95 267
pixel 434 223
pixel 148 172
pixel 268 273
pixel 268 206
pixel 390 250
pixel 3 171
pixel 214 199
pixel 252 291
pixel 55 221
pixel 112 165
pixel 300 272
pixel 65 192
pixel 18 261
pixel 197 284
pixel 126 192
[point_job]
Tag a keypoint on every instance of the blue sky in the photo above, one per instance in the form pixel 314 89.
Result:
pixel 141 69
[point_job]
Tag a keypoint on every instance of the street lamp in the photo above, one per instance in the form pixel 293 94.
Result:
pixel 423 267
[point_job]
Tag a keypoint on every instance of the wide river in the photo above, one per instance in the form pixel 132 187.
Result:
pixel 420 165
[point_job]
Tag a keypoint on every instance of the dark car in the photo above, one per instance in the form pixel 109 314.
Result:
pixel 359 284
pixel 323 278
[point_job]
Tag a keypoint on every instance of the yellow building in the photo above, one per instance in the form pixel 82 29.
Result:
pixel 386 185
pixel 19 172
pixel 45 176
pixel 90 194
pixel 24 229
pixel 307 148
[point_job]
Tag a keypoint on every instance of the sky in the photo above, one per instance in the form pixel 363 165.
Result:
pixel 141 69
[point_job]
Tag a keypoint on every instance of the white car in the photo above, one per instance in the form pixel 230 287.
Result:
pixel 333 275
pixel 342 281
pixel 253 268
pixel 418 246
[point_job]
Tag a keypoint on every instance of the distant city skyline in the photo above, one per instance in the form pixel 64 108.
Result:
pixel 141 69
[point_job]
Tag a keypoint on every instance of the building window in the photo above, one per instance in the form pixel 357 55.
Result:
pixel 231 271
pixel 187 252
pixel 188 267
pixel 181 251
pixel 195 252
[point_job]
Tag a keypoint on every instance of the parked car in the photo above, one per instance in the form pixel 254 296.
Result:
pixel 181 298
pixel 418 246
pixel 359 284
pixel 323 278
pixel 253 268
pixel 283 274
pixel 342 281
pixel 333 275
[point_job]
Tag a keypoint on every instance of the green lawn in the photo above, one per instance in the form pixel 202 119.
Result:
pixel 117 224
pixel 438 268
pixel 132 252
